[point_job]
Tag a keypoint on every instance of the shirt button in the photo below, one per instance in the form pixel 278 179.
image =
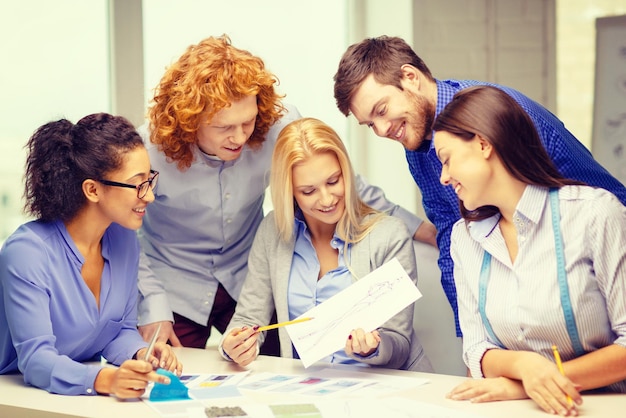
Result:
pixel 209 294
pixel 228 220
pixel 227 196
pixel 206 302
pixel 90 391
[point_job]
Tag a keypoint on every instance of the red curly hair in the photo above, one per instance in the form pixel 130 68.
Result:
pixel 207 78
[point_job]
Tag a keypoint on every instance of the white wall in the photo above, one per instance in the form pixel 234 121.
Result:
pixel 300 42
pixel 575 55
pixel 54 64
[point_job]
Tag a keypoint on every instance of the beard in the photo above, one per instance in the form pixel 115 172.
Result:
pixel 420 120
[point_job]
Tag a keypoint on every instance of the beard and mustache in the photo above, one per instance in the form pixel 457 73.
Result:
pixel 419 120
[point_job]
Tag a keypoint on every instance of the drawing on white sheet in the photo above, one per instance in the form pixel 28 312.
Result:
pixel 375 292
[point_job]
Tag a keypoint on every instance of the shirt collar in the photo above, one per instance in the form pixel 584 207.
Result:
pixel 532 203
pixel 69 241
pixel 530 207
pixel 299 219
pixel 445 91
pixel 212 160
pixel 60 225
pixel 480 230
pixel 301 228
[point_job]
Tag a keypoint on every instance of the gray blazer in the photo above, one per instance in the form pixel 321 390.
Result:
pixel 266 286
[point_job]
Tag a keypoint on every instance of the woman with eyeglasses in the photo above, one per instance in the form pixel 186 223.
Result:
pixel 68 291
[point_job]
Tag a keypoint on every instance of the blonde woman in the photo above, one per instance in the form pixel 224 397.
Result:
pixel 320 238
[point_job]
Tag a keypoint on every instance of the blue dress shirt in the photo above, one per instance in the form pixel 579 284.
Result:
pixel 440 202
pixel 49 320
pixel 306 291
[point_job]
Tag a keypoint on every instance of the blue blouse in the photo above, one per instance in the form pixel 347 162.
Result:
pixel 306 291
pixel 49 320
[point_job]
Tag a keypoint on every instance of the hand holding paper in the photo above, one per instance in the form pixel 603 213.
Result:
pixel 361 342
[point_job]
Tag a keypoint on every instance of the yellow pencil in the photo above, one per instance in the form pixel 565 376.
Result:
pixel 559 364
pixel 282 324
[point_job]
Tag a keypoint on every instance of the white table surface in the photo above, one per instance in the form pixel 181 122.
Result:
pixel 18 400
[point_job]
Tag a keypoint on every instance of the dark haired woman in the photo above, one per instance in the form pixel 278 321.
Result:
pixel 68 279
pixel 538 261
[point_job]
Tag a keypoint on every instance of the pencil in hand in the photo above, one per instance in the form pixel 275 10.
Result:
pixel 282 324
pixel 559 365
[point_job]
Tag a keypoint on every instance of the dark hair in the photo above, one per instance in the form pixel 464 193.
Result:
pixel 383 57
pixel 495 116
pixel 62 155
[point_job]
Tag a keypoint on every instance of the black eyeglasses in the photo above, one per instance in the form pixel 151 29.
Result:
pixel 142 188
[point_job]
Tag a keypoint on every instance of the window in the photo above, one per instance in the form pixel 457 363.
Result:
pixel 54 65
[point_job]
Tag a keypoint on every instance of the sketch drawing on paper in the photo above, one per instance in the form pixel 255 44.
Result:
pixel 367 303
pixel 375 292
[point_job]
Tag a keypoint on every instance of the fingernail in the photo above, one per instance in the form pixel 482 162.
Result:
pixel 256 327
pixel 162 364
pixel 350 336
pixel 244 328
pixel 166 381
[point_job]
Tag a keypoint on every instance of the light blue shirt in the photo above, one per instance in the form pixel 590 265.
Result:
pixel 49 320
pixel 199 230
pixel 306 291
pixel 523 302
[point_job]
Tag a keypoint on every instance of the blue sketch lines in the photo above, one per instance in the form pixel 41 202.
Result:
pixel 375 292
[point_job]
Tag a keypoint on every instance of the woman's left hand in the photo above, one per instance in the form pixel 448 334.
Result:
pixel 163 356
pixel 488 390
pixel 362 343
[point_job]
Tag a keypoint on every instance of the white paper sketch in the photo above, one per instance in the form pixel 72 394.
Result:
pixel 366 304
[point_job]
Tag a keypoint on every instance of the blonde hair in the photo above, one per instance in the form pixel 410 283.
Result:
pixel 207 78
pixel 296 143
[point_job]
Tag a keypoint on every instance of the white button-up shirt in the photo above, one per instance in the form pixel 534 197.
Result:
pixel 523 302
